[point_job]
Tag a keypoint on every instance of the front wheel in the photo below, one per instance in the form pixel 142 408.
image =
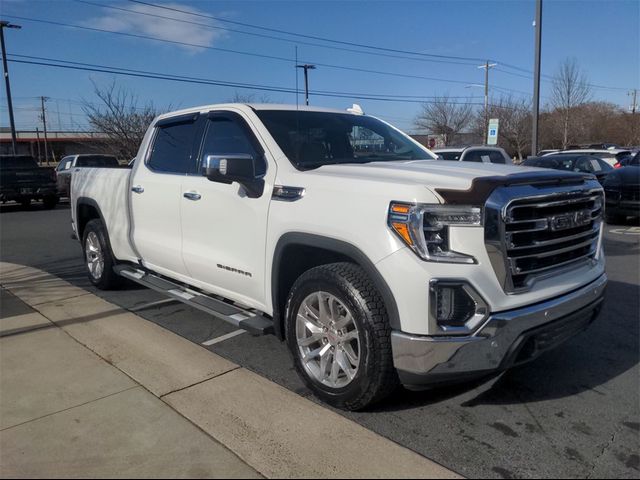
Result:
pixel 338 332
pixel 98 258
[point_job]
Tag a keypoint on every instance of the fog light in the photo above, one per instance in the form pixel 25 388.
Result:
pixel 455 307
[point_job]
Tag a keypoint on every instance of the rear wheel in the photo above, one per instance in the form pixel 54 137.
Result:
pixel 25 202
pixel 98 258
pixel 338 332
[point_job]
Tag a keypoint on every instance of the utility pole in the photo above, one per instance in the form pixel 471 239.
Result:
pixel 486 67
pixel 634 106
pixel 306 68
pixel 38 143
pixel 3 25
pixel 44 124
pixel 536 78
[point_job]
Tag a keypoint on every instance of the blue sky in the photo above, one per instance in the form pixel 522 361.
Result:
pixel 603 36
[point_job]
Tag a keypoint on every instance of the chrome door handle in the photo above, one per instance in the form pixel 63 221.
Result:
pixel 192 196
pixel 137 189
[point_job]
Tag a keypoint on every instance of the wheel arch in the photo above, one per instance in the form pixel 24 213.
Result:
pixel 87 209
pixel 297 252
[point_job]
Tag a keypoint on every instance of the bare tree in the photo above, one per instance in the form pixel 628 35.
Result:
pixel 515 123
pixel 250 98
pixel 119 117
pixel 570 90
pixel 445 118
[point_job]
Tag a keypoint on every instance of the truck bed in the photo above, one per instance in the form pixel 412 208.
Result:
pixel 108 190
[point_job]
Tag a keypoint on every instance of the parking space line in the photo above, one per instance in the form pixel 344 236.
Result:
pixel 154 304
pixel 222 338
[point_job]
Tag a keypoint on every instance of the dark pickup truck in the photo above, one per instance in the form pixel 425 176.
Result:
pixel 22 180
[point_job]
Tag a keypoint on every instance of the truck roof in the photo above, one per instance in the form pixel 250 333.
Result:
pixel 253 106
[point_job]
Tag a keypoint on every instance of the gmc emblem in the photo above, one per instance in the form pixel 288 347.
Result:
pixel 570 220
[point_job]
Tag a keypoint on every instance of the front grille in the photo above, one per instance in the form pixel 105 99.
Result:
pixel 544 234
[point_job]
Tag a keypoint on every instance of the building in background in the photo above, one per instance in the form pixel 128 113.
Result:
pixel 59 144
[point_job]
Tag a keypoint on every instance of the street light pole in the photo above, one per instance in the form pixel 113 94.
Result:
pixel 3 25
pixel 306 68
pixel 536 79
pixel 486 67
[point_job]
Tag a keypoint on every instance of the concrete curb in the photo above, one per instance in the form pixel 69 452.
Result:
pixel 276 432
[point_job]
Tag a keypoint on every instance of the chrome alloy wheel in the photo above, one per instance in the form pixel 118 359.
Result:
pixel 328 340
pixel 94 256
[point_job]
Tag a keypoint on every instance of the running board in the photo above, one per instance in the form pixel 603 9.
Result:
pixel 251 321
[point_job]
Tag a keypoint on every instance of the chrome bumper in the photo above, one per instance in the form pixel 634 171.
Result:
pixel 507 338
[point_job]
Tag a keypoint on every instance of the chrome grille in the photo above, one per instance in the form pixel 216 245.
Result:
pixel 532 236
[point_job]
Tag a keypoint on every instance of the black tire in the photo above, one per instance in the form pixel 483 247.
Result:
pixel 376 376
pixel 108 279
pixel 25 203
pixel 50 202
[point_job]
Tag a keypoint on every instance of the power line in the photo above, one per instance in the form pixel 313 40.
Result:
pixel 313 37
pixel 213 82
pixel 273 37
pixel 85 64
pixel 374 47
pixel 239 52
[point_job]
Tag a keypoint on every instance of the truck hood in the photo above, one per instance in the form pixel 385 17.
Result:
pixel 434 174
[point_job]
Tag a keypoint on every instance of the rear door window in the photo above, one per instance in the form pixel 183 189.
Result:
pixel 497 157
pixel 173 146
pixel 474 156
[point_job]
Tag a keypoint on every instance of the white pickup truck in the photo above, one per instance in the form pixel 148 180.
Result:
pixel 377 264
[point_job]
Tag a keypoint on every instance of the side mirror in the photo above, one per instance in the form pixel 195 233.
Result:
pixel 231 168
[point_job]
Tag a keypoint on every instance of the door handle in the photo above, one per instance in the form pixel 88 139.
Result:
pixel 137 189
pixel 192 196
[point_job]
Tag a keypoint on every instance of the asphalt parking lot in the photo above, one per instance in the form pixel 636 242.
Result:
pixel 574 412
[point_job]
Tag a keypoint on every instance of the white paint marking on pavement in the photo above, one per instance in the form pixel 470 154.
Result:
pixel 144 306
pixel 626 231
pixel 213 341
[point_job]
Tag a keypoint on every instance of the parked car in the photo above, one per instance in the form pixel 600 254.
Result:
pixel 474 154
pixel 604 146
pixel 611 156
pixel 622 192
pixel 22 180
pixel 572 162
pixel 544 152
pixel 377 267
pixel 68 164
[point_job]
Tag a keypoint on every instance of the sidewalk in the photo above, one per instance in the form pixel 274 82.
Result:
pixel 88 389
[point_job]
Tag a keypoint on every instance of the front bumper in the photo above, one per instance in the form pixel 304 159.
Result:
pixel 507 338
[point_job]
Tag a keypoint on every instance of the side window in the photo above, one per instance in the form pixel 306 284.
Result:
pixel 65 164
pixel 226 135
pixel 473 156
pixel 172 148
pixel 584 165
pixel 497 157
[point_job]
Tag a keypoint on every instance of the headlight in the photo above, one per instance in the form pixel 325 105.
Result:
pixel 425 228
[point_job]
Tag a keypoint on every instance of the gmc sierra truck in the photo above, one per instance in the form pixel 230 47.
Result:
pixel 377 264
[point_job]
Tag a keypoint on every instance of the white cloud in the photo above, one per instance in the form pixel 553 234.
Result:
pixel 144 23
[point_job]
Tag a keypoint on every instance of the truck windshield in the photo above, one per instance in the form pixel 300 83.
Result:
pixel 313 139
